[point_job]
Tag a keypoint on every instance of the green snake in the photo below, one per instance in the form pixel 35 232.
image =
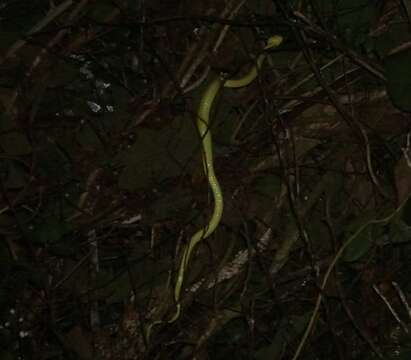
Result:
pixel 203 116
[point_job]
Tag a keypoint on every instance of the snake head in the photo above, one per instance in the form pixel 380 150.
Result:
pixel 273 42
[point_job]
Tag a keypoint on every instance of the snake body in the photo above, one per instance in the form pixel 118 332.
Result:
pixel 203 126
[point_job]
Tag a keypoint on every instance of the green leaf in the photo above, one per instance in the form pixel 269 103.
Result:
pixel 119 289
pixel 16 176
pixel 362 242
pixel 406 213
pixel 13 142
pixel 171 204
pixel 288 331
pixel 398 71
pixel 358 247
pixel 352 18
pixel 399 232
pixel 50 230
pixel 158 154
pixel 52 162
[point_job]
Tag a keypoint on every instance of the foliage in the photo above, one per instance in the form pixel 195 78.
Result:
pixel 102 184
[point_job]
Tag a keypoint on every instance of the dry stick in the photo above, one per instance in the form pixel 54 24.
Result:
pixel 226 27
pixel 316 30
pixel 400 48
pixel 289 236
pixel 236 266
pixel 198 60
pixel 194 57
pixel 194 50
pixel 217 44
pixel 311 76
pixel 403 298
pixel 58 37
pixel 291 233
pixel 240 123
pixel 198 82
pixel 358 97
pixel 200 55
pixel 202 52
pixel 357 327
pixel 377 72
pixel 341 291
pixel 331 268
pixel 53 14
pixel 391 309
pixel 350 120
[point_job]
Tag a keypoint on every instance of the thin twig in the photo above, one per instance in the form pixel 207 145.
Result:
pixel 390 308
pixel 53 14
pixel 337 257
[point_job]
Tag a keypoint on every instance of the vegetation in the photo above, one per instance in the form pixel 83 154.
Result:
pixel 102 184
